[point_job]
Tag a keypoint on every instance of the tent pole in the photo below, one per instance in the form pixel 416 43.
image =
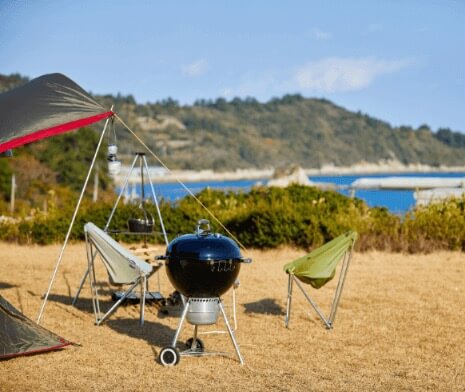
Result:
pixel 60 257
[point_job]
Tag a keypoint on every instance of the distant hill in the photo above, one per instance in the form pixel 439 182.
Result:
pixel 244 133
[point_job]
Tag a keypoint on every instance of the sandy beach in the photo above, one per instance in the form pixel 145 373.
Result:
pixel 399 328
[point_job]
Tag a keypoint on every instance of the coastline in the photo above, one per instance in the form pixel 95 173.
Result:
pixel 161 175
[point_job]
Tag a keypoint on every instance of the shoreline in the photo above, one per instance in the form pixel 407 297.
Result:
pixel 161 175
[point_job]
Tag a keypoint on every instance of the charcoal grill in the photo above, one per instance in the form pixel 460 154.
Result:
pixel 201 266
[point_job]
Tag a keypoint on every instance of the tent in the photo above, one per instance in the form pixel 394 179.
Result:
pixel 21 336
pixel 46 106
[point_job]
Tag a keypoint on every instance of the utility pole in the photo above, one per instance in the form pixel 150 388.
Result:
pixel 13 192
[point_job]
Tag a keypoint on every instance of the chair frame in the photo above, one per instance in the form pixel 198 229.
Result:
pixel 92 252
pixel 328 321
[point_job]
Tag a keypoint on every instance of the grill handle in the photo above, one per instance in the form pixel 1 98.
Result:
pixel 241 260
pixel 203 231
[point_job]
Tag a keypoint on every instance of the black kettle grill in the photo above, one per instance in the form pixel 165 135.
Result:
pixel 201 266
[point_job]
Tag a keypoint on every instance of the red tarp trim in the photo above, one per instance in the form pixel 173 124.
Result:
pixel 56 130
pixel 41 350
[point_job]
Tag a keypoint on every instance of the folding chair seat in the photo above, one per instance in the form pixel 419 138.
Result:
pixel 123 267
pixel 319 267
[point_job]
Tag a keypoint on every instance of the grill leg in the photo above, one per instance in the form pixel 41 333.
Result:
pixel 181 322
pixel 194 339
pixel 231 333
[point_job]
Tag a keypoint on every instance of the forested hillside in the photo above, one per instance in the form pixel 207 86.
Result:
pixel 244 133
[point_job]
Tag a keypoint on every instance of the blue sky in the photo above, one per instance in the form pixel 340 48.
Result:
pixel 400 61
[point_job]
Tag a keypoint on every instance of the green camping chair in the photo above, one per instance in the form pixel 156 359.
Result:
pixel 317 268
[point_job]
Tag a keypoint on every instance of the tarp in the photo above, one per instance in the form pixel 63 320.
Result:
pixel 319 266
pixel 20 335
pixel 46 106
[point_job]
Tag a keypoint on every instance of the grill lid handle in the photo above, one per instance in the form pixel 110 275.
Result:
pixel 206 227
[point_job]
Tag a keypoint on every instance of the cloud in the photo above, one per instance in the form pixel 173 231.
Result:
pixel 194 69
pixel 321 35
pixel 336 74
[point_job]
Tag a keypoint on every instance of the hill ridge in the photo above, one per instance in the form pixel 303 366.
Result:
pixel 245 134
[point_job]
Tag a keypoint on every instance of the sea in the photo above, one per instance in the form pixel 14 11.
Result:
pixel 396 201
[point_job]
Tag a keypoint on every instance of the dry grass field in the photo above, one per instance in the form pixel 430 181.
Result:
pixel 400 327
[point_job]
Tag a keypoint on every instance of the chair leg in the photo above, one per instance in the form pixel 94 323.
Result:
pixel 340 286
pixel 117 303
pixel 92 280
pixel 314 305
pixel 84 277
pixel 142 299
pixel 289 300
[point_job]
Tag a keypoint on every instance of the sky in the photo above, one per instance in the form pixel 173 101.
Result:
pixel 399 61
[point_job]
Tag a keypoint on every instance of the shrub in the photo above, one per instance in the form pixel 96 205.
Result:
pixel 300 216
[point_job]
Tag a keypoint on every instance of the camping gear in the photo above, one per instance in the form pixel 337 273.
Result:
pixel 135 225
pixel 145 224
pixel 114 165
pixel 123 267
pixel 22 336
pixel 319 267
pixel 53 104
pixel 46 106
pixel 139 225
pixel 202 267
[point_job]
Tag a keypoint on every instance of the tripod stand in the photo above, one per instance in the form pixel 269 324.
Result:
pixel 139 156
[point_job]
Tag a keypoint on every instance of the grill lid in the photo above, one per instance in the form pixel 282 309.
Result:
pixel 203 246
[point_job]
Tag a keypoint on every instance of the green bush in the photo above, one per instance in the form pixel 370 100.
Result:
pixel 299 216
pixel 436 226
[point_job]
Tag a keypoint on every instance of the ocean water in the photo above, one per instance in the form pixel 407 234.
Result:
pixel 398 202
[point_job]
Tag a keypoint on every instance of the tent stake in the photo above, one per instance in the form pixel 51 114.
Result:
pixel 60 257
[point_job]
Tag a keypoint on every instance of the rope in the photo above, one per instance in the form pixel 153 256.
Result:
pixel 180 182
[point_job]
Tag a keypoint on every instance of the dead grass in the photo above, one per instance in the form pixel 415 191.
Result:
pixel 399 327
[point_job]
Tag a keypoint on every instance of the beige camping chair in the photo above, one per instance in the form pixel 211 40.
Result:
pixel 123 267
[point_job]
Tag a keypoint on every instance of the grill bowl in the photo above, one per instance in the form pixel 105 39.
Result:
pixel 203 265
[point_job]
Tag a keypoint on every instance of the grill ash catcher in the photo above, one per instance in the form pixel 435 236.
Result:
pixel 202 267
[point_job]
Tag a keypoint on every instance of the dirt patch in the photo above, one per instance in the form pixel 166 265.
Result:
pixel 399 327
